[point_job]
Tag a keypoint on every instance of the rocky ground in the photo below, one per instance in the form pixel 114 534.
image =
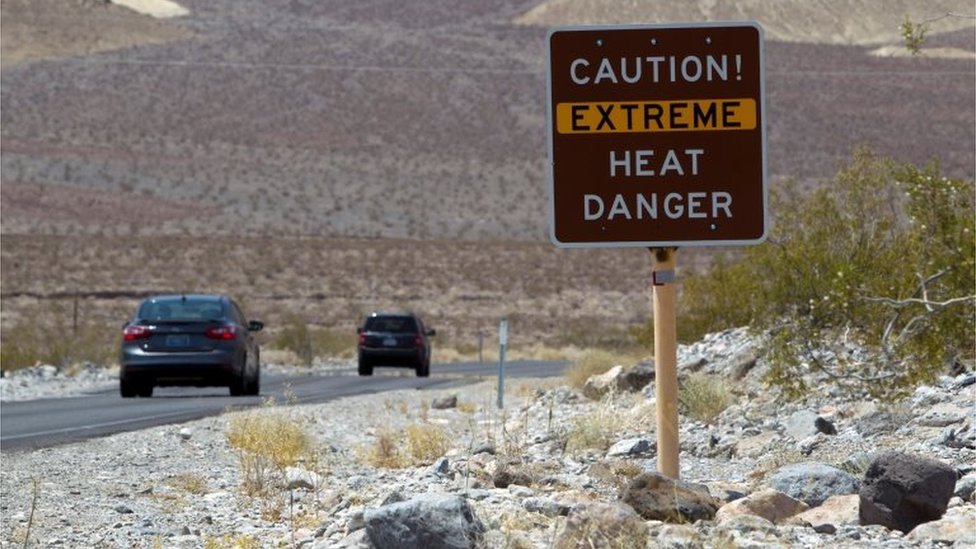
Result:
pixel 554 469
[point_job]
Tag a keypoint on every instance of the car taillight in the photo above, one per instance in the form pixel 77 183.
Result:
pixel 225 333
pixel 132 333
pixel 362 338
pixel 418 341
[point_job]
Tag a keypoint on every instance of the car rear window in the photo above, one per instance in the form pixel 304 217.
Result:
pixel 394 324
pixel 179 309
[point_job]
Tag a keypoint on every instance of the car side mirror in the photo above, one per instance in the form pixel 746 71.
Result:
pixel 255 326
pixel 431 332
pixel 359 329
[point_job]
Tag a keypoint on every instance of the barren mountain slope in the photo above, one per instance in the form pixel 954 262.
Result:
pixel 390 119
pixel 46 29
pixel 124 167
pixel 860 22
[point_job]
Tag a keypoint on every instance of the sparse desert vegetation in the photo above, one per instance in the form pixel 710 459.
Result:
pixel 877 266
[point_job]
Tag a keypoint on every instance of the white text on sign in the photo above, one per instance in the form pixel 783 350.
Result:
pixel 622 162
pixel 673 205
pixel 659 68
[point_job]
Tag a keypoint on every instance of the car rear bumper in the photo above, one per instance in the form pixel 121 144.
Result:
pixel 201 369
pixel 392 357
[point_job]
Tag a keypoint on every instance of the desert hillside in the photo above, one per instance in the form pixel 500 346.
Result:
pixel 852 22
pixel 388 122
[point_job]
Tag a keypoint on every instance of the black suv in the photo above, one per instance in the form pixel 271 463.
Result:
pixel 394 339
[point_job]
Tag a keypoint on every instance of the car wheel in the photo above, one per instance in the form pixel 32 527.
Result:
pixel 423 369
pixel 254 383
pixel 127 388
pixel 238 385
pixel 145 390
pixel 365 368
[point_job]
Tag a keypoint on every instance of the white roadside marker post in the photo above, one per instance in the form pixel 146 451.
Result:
pixel 502 342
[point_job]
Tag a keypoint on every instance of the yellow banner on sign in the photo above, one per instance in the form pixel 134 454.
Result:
pixel 656 116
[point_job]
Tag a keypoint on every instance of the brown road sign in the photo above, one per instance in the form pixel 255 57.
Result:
pixel 657 135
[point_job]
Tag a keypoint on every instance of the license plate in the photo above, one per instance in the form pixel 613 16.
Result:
pixel 177 340
pixel 389 342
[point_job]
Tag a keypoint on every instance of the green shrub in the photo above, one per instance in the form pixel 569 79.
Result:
pixel 308 343
pixel 52 337
pixel 913 34
pixel 881 257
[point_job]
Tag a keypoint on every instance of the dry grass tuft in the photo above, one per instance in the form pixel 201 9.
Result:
pixel 703 397
pixel 231 541
pixel 427 442
pixel 595 429
pixel 597 532
pixel 266 441
pixel 385 452
pixel 191 483
pixel 589 364
pixel 417 444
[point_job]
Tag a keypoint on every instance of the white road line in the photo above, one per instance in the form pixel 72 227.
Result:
pixel 94 426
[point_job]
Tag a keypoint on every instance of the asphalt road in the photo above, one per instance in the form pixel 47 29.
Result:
pixel 41 423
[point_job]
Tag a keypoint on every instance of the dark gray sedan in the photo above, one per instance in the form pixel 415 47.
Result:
pixel 193 340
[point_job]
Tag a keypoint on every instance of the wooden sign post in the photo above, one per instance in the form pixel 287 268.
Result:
pixel 666 360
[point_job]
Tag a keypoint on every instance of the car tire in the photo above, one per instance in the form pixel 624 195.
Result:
pixel 365 368
pixel 423 369
pixel 254 382
pixel 127 389
pixel 238 385
pixel 145 390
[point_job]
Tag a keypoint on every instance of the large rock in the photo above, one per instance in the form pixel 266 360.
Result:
pixel 619 379
pixel 801 425
pixel 901 491
pixel 601 384
pixel 769 504
pixel 428 521
pixel 632 447
pixel 505 476
pixel 600 525
pixel 444 403
pixel 658 497
pixel 957 528
pixel 638 377
pixel 812 483
pixel 837 511
pixel 741 363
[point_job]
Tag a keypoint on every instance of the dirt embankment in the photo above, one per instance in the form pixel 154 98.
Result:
pixel 53 29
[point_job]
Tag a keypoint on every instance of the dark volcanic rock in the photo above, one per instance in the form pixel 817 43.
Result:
pixel 901 491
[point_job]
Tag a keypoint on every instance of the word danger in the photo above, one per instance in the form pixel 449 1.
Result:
pixel 659 68
pixel 672 205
